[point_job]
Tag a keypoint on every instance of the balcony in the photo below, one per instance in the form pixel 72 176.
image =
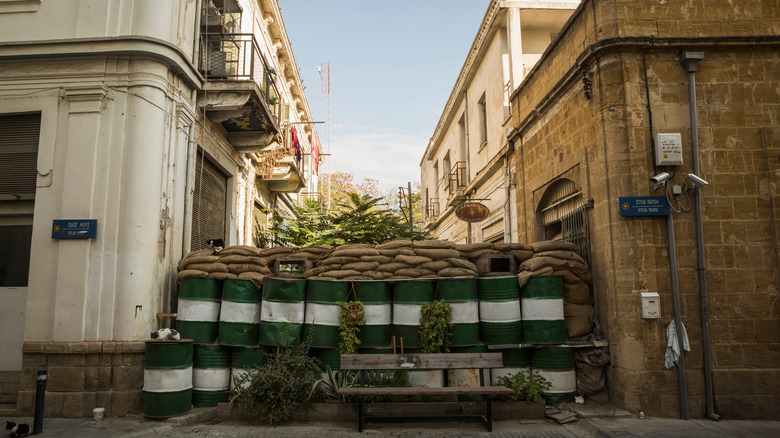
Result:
pixel 432 210
pixel 240 92
pixel 454 182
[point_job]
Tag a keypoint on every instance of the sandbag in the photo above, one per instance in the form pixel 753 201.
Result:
pixel 536 263
pixel 248 267
pixel 577 293
pixel 377 275
pixel 506 247
pixel 552 245
pixel 437 254
pixel 205 259
pixel 469 247
pixel 578 319
pixel 341 273
pixel 361 266
pixel 222 275
pixel 240 250
pixel 461 263
pixel 305 255
pixel 377 258
pixel 401 277
pixel 590 363
pixel 320 269
pixel 396 252
pixel 473 255
pixel 395 244
pixel 241 259
pixel 355 252
pixel 192 273
pixel 319 249
pixel 456 272
pixel 568 255
pixel 412 260
pixel 339 260
pixel 521 255
pixel 255 277
pixel 199 253
pixel 209 267
pixel 414 272
pixel 433 244
pixel 391 267
pixel 436 265
pixel 524 276
pixel 277 250
pixel 568 276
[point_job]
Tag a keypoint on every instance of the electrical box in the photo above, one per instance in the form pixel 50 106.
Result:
pixel 651 305
pixel 668 150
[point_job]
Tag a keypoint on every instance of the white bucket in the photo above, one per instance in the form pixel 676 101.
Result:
pixel 98 413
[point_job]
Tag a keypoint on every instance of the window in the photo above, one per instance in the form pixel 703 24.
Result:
pixel 209 203
pixel 19 156
pixel 563 216
pixel 482 109
pixel 15 255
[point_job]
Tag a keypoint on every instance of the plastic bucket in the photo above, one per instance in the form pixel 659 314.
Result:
pixel 239 318
pixel 556 364
pixel 542 303
pixel 500 319
pixel 515 360
pixel 321 320
pixel 377 298
pixel 245 360
pixel 408 299
pixel 198 311
pixel 167 388
pixel 461 294
pixel 282 311
pixel 210 375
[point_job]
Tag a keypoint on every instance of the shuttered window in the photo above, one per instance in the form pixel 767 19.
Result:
pixel 19 136
pixel 209 204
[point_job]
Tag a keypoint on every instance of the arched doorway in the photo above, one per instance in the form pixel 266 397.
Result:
pixel 562 215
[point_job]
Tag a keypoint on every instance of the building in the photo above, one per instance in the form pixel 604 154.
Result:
pixel 468 156
pixel 585 122
pixel 149 127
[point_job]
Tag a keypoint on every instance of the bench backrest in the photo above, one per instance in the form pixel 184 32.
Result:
pixel 441 361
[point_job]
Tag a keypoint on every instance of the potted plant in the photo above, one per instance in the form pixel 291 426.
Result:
pixel 351 318
pixel 526 399
pixel 435 327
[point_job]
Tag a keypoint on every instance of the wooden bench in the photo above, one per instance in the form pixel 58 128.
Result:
pixel 411 362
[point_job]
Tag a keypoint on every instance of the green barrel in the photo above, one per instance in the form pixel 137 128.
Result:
pixel 377 298
pixel 167 378
pixel 239 318
pixel 282 311
pixel 198 312
pixel 499 310
pixel 461 294
pixel 245 360
pixel 210 375
pixel 556 364
pixel 328 356
pixel 380 349
pixel 542 304
pixel 515 360
pixel 321 320
pixel 408 299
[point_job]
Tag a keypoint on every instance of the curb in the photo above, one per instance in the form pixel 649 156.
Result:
pixel 596 429
pixel 196 415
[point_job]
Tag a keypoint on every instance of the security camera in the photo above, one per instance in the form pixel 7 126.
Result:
pixel 695 181
pixel 660 178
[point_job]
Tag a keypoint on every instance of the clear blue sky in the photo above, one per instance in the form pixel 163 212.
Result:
pixel 393 66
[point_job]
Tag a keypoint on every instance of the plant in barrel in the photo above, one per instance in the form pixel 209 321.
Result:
pixel 351 318
pixel 436 327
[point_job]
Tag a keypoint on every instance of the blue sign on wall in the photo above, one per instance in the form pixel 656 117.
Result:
pixel 74 229
pixel 643 206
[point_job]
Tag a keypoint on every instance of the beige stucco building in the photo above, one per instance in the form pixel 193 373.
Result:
pixel 468 155
pixel 167 123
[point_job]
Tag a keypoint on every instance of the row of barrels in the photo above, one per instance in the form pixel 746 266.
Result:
pixel 489 310
pixel 180 374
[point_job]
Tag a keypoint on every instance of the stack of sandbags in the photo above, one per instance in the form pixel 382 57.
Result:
pixel 396 260
pixel 561 258
pixel 201 264
pixel 245 262
pixel 591 377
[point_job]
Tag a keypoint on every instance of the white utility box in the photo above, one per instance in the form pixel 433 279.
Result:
pixel 651 305
pixel 668 150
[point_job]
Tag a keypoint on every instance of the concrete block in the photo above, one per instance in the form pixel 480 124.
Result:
pixel 125 402
pixel 73 405
pixel 53 404
pixel 127 378
pixel 25 403
pixel 65 379
pixel 98 378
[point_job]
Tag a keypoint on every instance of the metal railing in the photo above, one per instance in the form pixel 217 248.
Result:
pixel 432 209
pixel 455 179
pixel 237 57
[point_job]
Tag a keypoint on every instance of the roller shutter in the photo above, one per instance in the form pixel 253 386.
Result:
pixel 19 136
pixel 209 204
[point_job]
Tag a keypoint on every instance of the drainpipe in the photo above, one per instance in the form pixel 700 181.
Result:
pixel 690 61
pixel 681 381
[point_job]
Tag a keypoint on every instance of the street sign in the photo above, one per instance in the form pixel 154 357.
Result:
pixel 472 211
pixel 643 206
pixel 74 229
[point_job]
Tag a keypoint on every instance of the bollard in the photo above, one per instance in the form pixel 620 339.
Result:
pixel 40 395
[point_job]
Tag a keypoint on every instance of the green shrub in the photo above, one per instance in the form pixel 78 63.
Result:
pixel 525 385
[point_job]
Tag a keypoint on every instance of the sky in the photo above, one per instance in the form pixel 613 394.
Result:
pixel 393 64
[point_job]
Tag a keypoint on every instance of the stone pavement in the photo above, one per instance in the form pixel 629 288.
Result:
pixel 203 423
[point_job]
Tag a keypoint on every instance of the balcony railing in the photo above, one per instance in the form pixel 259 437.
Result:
pixel 237 57
pixel 455 179
pixel 432 209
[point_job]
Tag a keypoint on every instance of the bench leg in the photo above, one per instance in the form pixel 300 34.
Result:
pixel 489 415
pixel 360 414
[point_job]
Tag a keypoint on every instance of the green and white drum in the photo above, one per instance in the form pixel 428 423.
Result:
pixel 198 312
pixel 321 320
pixel 556 364
pixel 515 360
pixel 377 298
pixel 461 294
pixel 244 361
pixel 210 375
pixel 328 356
pixel 408 299
pixel 239 318
pixel 167 388
pixel 282 311
pixel 500 319
pixel 542 304
pixel 465 377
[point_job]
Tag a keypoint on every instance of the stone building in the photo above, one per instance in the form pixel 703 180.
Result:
pixel 467 156
pixel 149 127
pixel 585 122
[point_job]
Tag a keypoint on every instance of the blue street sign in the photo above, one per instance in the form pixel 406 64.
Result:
pixel 643 206
pixel 74 229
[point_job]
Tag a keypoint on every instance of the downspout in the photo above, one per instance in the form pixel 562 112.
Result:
pixel 677 315
pixel 689 61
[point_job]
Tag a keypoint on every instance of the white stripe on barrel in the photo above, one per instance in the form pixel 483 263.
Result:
pixel 542 309
pixel 195 310
pixel 171 380
pixel 322 314
pixel 499 311
pixel 274 311
pixel 240 312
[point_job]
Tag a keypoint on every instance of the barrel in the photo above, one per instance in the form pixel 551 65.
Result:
pixel 467 377
pixel 408 299
pixel 210 375
pixel 198 311
pixel 461 294
pixel 542 304
pixel 421 378
pixel 167 388
pixel 321 321
pixel 377 298
pixel 328 356
pixel 282 311
pixel 239 318
pixel 515 360
pixel 245 360
pixel 379 349
pixel 556 364
pixel 499 310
